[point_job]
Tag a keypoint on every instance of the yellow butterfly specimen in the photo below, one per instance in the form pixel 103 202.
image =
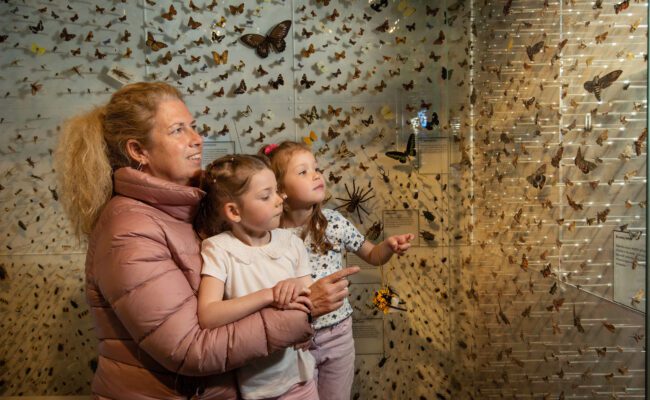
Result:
pixel 310 139
pixel 405 8
pixel 387 113
pixel 36 49
pixel 220 58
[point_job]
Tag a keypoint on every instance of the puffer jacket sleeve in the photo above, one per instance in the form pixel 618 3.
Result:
pixel 152 298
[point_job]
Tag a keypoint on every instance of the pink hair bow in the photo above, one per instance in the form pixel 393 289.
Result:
pixel 269 148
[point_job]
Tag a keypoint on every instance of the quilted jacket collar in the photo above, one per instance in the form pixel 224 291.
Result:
pixel 180 202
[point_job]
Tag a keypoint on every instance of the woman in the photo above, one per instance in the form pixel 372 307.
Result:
pixel 126 171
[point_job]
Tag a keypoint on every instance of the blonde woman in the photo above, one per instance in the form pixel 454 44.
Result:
pixel 127 171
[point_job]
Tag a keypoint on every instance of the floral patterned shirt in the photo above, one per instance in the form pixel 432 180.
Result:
pixel 343 235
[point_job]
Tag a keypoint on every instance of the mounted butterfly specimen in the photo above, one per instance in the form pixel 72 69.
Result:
pixel 306 82
pixel 279 81
pixel 537 179
pixel 534 49
pixel 275 39
pixel 379 5
pixel 403 156
pixel 153 44
pixel 597 84
pixel 584 165
pixel 310 115
pixel 220 58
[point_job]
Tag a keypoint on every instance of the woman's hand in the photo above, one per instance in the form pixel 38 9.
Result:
pixel 287 291
pixel 400 243
pixel 327 293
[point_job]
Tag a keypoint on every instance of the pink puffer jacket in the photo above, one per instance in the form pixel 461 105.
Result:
pixel 142 277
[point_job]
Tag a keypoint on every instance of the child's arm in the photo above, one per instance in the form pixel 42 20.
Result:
pixel 292 290
pixel 214 312
pixel 381 253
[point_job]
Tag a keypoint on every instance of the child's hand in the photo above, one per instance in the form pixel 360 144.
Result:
pixel 400 243
pixel 287 291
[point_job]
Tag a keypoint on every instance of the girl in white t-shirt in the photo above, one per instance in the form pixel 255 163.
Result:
pixel 249 264
pixel 327 235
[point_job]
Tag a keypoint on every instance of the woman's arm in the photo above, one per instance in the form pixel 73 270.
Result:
pixel 381 253
pixel 153 300
pixel 327 293
pixel 215 312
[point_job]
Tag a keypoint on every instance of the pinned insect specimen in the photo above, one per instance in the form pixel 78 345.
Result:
pixel 241 89
pixel 220 58
pixel 576 321
pixel 640 142
pixel 153 44
pixel 306 82
pixel 555 161
pixel 573 204
pixel 310 115
pixel 403 156
pixel 537 179
pixel 534 49
pixel 597 84
pixel 274 40
pixel 427 235
pixel 355 200
pixel 584 165
pixel 279 81
pixel 621 6
pixel 374 231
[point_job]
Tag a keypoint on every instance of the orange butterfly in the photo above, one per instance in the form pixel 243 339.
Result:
pixel 169 15
pixel 399 40
pixel 220 59
pixel 336 111
pixel 310 139
pixel 308 51
pixel 153 44
pixel 339 56
pixel 166 58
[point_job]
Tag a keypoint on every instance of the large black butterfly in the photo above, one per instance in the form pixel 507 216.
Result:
pixel 379 5
pixel 403 156
pixel 275 39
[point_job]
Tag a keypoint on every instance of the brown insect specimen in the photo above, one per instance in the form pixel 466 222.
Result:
pixel 576 321
pixel 610 327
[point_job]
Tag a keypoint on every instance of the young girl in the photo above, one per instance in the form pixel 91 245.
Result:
pixel 326 233
pixel 249 264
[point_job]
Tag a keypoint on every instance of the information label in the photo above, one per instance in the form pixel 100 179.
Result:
pixel 214 150
pixel 629 269
pixel 368 336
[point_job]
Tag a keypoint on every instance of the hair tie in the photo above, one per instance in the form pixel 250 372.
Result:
pixel 270 147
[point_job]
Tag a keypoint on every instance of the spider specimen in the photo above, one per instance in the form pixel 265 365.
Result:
pixel 355 200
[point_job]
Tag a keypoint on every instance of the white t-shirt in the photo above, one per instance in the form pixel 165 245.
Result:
pixel 245 269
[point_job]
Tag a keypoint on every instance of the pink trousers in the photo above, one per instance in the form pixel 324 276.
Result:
pixel 333 349
pixel 300 391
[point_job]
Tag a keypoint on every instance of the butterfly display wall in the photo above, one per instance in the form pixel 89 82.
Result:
pixel 558 113
pixel 374 67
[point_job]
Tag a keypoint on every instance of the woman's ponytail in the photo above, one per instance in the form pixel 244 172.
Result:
pixel 84 170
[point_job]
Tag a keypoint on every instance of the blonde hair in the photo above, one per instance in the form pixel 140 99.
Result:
pixel 93 145
pixel 315 228
pixel 223 181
